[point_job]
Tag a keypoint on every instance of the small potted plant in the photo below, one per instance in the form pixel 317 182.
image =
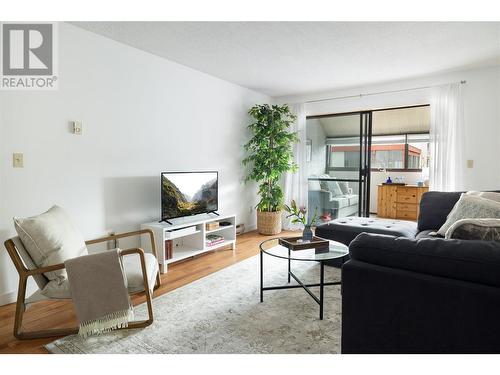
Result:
pixel 299 215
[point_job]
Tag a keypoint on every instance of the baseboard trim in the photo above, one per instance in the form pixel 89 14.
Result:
pixel 7 298
pixel 250 228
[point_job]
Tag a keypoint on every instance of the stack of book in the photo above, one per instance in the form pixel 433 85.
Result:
pixel 214 239
pixel 168 249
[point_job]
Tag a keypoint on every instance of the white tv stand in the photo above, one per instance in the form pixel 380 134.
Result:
pixel 191 244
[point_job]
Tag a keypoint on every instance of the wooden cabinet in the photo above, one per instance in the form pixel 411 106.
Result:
pixel 399 202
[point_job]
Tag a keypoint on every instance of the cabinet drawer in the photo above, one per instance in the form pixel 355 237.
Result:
pixel 407 215
pixel 406 196
pixel 406 190
pixel 407 207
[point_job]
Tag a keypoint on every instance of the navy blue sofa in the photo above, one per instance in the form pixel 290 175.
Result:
pixel 419 294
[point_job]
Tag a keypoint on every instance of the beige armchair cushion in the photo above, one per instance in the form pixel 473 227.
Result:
pixel 40 280
pixel 51 238
pixel 133 271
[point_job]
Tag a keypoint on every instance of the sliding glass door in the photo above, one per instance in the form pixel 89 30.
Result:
pixel 338 161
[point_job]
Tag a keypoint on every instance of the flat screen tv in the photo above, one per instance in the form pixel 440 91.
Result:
pixel 188 193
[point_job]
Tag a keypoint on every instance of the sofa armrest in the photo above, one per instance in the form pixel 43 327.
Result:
pixel 473 261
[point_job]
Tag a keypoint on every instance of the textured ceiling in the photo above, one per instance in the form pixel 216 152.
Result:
pixel 285 58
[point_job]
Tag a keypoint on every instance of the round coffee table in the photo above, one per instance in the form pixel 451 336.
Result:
pixel 273 248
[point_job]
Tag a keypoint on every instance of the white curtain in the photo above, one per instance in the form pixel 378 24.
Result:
pixel 447 139
pixel 295 184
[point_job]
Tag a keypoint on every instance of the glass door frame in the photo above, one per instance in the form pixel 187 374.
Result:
pixel 365 137
pixel 365 145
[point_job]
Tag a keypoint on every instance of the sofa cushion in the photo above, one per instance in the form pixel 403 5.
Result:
pixel 471 206
pixel 434 208
pixel 344 230
pixel 353 199
pixel 344 187
pixel 334 188
pixel 474 261
pixel 323 182
pixel 428 233
pixel 51 238
pixel 339 202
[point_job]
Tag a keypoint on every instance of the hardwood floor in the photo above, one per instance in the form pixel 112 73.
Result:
pixel 59 314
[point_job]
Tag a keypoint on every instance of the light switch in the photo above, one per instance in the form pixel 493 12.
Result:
pixel 470 163
pixel 17 160
pixel 77 127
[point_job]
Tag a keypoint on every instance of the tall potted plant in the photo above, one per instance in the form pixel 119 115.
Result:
pixel 270 154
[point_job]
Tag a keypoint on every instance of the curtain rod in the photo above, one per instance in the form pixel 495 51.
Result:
pixel 381 92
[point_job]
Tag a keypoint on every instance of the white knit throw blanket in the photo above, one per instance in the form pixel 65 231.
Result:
pixel 99 291
pixel 107 323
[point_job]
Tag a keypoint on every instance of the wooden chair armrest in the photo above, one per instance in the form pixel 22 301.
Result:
pixel 136 250
pixel 127 234
pixel 61 266
pixel 41 270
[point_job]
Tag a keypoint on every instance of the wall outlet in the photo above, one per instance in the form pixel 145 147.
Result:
pixel 470 163
pixel 77 127
pixel 18 160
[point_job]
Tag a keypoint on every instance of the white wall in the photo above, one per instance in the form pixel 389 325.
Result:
pixel 481 111
pixel 141 115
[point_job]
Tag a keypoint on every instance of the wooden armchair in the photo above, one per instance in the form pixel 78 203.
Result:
pixel 26 268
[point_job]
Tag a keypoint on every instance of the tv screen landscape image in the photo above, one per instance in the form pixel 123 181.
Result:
pixel 188 193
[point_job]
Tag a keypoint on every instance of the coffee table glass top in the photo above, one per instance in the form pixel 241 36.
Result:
pixel 334 251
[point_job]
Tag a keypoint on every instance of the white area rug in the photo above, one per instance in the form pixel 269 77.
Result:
pixel 221 313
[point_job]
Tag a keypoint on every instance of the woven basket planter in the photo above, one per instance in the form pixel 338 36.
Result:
pixel 269 223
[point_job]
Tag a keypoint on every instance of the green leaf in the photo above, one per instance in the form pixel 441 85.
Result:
pixel 270 152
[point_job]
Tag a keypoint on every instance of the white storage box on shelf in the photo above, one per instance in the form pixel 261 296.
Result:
pixel 188 238
pixel 175 233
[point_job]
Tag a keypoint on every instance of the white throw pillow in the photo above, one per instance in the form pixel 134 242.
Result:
pixel 471 206
pixel 334 188
pixel 51 238
pixel 486 194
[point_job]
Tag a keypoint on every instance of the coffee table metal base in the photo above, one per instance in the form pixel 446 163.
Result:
pixel 300 284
